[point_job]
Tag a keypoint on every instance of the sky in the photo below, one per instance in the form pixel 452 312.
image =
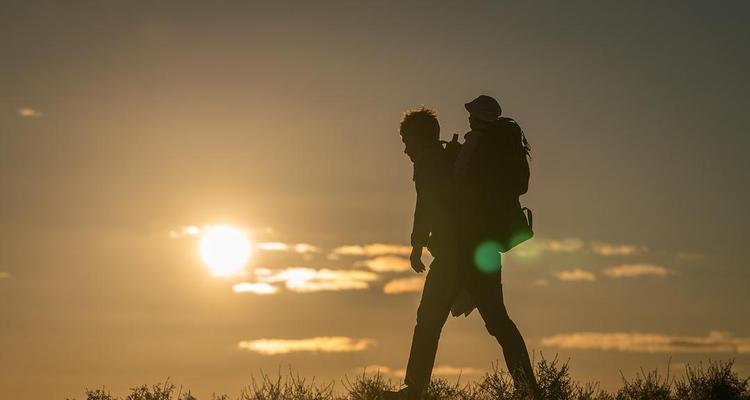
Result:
pixel 130 130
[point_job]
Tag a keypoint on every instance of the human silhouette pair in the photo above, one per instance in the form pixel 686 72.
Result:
pixel 465 195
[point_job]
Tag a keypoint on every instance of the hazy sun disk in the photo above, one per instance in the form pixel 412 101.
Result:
pixel 224 249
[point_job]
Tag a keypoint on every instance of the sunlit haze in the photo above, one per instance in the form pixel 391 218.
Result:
pixel 202 191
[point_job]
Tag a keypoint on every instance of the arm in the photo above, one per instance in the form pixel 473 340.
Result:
pixel 466 152
pixel 420 233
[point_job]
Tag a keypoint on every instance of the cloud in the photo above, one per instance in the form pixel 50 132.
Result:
pixel 373 250
pixel 306 248
pixel 533 249
pixel 190 230
pixel 404 285
pixel 620 271
pixel 715 342
pixel 255 288
pixel 567 245
pixel 447 370
pixel 576 275
pixel 300 279
pixel 323 344
pixel 306 280
pixel 272 246
pixel 439 370
pixel 302 248
pixel 635 270
pixel 608 249
pixel 382 370
pixel 4 275
pixel 386 264
pixel 28 112
pixel 379 369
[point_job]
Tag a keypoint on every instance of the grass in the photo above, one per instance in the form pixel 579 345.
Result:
pixel 715 381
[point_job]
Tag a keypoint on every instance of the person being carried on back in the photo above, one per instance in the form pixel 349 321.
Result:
pixel 492 171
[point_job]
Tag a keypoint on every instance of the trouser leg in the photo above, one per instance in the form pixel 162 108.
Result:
pixel 487 292
pixel 439 291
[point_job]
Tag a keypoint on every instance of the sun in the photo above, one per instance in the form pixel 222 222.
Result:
pixel 225 249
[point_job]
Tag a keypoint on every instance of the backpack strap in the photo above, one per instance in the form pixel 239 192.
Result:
pixel 529 217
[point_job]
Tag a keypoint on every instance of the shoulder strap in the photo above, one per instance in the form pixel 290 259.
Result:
pixel 529 217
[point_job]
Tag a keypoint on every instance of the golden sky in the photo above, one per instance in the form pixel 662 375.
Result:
pixel 129 131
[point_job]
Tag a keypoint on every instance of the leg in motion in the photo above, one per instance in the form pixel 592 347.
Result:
pixel 487 291
pixel 437 297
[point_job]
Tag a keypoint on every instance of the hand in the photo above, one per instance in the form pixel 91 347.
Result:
pixel 416 259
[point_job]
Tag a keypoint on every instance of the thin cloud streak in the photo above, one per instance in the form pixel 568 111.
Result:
pixel 447 370
pixel 534 249
pixel 272 246
pixel 190 230
pixel 567 245
pixel 382 370
pixel 636 270
pixel 28 112
pixel 372 250
pixel 386 264
pixel 321 344
pixel 439 370
pixel 715 342
pixel 608 249
pixel 575 275
pixel 305 280
pixel 302 248
pixel 404 285
pixel 261 288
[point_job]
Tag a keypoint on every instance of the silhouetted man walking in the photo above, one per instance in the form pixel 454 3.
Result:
pixel 446 224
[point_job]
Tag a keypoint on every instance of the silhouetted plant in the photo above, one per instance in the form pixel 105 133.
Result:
pixel 591 391
pixel 646 386
pixel 718 381
pixel 497 384
pixel 554 380
pixel 292 388
pixel 98 394
pixel 439 389
pixel 366 387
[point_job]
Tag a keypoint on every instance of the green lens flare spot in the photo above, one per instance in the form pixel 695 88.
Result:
pixel 487 256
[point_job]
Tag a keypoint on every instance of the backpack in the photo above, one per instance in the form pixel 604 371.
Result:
pixel 502 171
pixel 501 160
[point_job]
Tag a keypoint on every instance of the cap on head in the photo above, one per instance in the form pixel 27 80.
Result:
pixel 484 108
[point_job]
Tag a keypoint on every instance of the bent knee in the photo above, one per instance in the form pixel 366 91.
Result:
pixel 500 325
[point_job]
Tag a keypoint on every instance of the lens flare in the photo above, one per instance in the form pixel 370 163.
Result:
pixel 487 256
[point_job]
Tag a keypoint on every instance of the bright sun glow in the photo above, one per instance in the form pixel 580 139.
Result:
pixel 224 249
